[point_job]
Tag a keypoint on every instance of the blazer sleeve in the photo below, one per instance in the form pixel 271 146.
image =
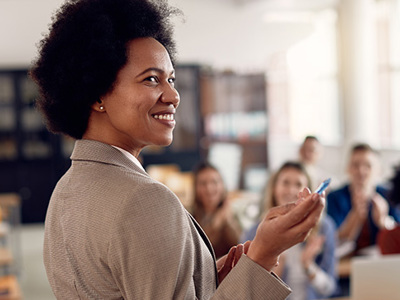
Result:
pixel 154 254
pixel 248 280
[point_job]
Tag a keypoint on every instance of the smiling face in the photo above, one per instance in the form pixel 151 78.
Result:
pixel 210 189
pixel 289 183
pixel 140 109
pixel 362 168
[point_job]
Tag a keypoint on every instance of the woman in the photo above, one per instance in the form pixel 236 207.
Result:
pixel 107 79
pixel 309 268
pixel 212 209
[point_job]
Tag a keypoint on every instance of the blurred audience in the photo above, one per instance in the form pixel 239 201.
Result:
pixel 310 153
pixel 360 208
pixel 308 268
pixel 395 190
pixel 212 209
pixel 389 239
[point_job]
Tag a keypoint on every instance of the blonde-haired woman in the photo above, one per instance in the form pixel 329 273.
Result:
pixel 308 268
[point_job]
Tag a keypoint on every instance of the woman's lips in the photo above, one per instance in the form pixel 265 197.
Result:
pixel 167 117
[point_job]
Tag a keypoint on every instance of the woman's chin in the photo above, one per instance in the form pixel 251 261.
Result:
pixel 165 142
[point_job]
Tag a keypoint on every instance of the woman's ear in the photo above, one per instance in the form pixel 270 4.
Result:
pixel 98 106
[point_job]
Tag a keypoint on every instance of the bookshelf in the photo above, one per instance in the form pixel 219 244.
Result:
pixel 31 157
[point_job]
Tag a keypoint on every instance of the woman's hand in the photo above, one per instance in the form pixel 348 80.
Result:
pixel 226 263
pixel 280 267
pixel 283 227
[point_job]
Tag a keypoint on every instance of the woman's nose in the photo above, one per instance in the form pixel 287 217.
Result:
pixel 170 96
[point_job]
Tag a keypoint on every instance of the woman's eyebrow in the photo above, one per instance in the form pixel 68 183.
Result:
pixel 157 70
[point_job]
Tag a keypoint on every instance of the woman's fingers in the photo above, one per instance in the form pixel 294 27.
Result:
pixel 246 246
pixel 303 195
pixel 228 261
pixel 230 257
pixel 280 210
pixel 302 228
pixel 295 213
pixel 238 253
pixel 222 261
pixel 313 203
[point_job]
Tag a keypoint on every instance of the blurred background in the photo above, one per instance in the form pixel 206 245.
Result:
pixel 255 78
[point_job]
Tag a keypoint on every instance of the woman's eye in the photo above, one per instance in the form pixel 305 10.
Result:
pixel 151 79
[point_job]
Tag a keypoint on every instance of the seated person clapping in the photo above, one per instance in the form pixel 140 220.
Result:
pixel 309 267
pixel 360 208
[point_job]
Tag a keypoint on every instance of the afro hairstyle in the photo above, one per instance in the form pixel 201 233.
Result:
pixel 80 58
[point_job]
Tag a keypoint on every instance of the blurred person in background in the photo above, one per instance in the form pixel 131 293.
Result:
pixel 389 239
pixel 309 268
pixel 310 153
pixel 212 209
pixel 360 208
pixel 395 190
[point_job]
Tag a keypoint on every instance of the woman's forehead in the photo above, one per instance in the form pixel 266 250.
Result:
pixel 148 52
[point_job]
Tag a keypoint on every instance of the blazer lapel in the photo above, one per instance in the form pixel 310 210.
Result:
pixel 203 236
pixel 207 242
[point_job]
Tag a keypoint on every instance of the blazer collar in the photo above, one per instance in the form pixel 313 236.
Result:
pixel 91 150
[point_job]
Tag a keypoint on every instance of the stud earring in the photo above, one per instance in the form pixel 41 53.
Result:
pixel 101 107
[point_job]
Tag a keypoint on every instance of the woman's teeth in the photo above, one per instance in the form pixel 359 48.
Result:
pixel 169 117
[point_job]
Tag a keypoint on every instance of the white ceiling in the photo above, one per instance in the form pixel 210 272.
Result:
pixel 287 4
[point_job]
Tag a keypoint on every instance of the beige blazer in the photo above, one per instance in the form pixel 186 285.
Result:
pixel 112 232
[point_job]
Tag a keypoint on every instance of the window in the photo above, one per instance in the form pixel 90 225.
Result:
pixel 388 58
pixel 303 85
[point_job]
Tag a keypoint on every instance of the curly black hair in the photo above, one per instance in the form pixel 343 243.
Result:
pixel 79 59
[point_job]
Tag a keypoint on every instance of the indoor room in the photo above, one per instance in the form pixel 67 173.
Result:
pixel 307 89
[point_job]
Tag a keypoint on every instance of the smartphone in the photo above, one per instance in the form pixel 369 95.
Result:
pixel 322 187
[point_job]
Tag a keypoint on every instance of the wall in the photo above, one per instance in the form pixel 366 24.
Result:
pixel 208 31
pixel 22 23
pixel 232 36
